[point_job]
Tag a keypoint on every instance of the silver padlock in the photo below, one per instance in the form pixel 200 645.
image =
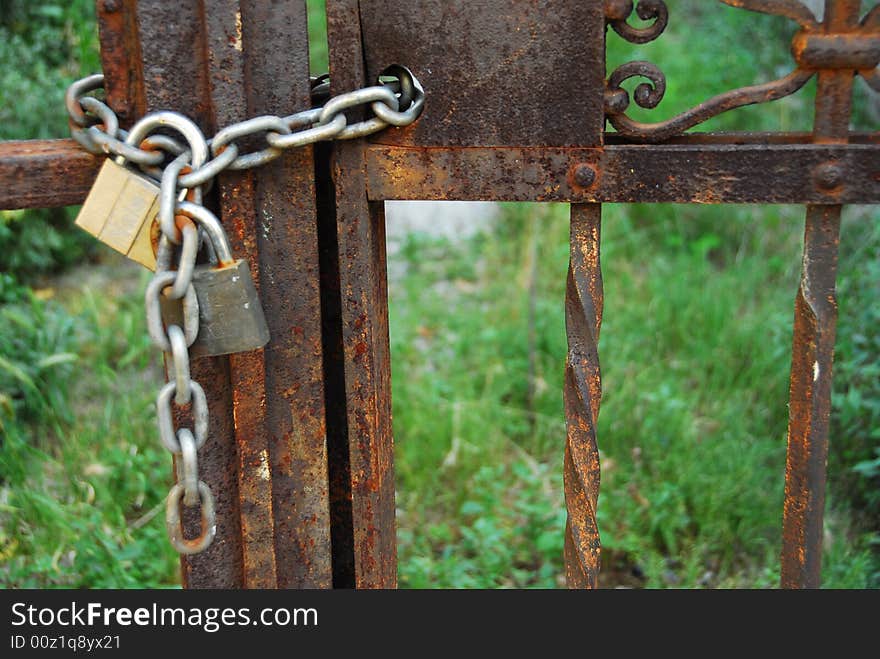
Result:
pixel 231 318
pixel 121 208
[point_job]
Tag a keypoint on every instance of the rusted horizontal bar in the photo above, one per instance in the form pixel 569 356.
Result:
pixel 837 51
pixel 624 173
pixel 702 168
pixel 45 173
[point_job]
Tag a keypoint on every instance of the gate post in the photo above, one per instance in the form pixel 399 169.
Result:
pixel 815 323
pixel 510 58
pixel 361 446
pixel 222 61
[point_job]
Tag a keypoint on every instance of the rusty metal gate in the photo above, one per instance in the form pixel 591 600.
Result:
pixel 301 460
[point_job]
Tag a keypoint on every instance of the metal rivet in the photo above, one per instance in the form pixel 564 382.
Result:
pixel 828 176
pixel 584 175
pixel 111 6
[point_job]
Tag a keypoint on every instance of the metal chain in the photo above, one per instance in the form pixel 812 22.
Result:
pixel 182 220
pixel 397 102
pixel 176 284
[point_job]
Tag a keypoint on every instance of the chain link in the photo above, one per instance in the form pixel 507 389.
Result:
pixel 180 366
pixel 172 519
pixel 182 171
pixel 188 467
pixel 161 280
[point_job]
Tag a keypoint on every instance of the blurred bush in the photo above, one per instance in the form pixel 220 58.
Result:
pixel 44 46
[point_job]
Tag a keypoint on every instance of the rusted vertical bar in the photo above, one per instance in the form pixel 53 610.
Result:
pixel 172 47
pixel 285 227
pixel 582 394
pixel 258 64
pixel 814 333
pixel 224 32
pixel 361 471
pixel 173 53
pixel 121 58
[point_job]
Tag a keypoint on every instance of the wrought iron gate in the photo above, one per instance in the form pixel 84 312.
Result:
pixel 302 462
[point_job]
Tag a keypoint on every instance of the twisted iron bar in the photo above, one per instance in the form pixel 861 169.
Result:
pixel 649 94
pixel 583 391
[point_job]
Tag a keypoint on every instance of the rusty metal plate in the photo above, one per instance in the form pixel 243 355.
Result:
pixel 496 72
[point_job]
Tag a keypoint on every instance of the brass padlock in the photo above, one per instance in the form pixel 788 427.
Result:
pixel 230 315
pixel 121 208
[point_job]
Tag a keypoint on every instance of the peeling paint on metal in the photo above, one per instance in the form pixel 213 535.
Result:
pixel 263 468
pixel 236 42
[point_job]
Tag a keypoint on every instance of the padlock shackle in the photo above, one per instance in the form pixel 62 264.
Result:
pixel 213 229
pixel 195 138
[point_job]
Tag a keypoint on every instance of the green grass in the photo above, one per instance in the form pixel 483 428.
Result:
pixel 318 58
pixel 695 353
pixel 44 46
pixel 82 472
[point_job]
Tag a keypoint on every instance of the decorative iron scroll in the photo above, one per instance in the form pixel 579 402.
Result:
pixel 814 49
pixel 617 11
